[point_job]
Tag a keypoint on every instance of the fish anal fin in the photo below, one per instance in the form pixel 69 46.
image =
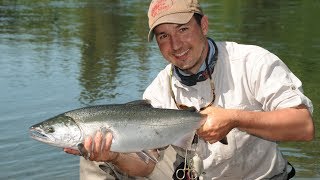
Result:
pixel 146 155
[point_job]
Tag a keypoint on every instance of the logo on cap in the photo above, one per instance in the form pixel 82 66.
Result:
pixel 160 6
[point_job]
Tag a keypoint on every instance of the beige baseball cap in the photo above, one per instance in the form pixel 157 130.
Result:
pixel 171 11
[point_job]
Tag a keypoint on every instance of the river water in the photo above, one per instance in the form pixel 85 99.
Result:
pixel 60 55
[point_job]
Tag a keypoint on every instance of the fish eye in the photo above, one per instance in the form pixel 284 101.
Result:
pixel 50 129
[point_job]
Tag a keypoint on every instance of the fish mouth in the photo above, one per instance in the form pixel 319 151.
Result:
pixel 38 134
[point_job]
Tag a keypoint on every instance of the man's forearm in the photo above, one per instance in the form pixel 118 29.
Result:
pixel 289 124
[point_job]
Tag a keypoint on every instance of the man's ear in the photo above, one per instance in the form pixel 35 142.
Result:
pixel 204 25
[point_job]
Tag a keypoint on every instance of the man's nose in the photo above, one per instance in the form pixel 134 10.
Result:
pixel 176 43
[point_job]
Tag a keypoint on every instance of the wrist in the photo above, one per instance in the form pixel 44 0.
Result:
pixel 115 158
pixel 235 118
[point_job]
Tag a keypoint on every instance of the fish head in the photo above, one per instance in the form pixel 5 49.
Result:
pixel 61 131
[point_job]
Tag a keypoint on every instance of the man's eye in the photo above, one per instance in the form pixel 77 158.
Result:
pixel 49 129
pixel 163 36
pixel 183 29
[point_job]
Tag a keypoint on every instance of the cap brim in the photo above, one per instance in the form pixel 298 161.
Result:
pixel 176 18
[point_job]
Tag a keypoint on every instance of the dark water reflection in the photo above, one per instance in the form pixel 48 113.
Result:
pixel 56 56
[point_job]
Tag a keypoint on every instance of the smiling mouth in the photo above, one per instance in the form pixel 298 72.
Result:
pixel 179 55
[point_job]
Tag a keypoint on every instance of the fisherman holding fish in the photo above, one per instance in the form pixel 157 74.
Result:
pixel 244 92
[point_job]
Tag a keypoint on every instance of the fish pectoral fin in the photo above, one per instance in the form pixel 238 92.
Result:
pixel 83 151
pixel 146 155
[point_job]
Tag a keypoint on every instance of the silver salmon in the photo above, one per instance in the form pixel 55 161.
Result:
pixel 135 126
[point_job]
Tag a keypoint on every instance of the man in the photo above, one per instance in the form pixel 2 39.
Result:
pixel 248 94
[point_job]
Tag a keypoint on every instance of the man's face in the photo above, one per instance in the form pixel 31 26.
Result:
pixel 184 45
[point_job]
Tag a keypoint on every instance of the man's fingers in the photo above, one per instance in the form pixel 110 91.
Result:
pixel 88 143
pixel 71 151
pixel 88 146
pixel 107 144
pixel 97 144
pixel 203 130
pixel 200 131
pixel 96 149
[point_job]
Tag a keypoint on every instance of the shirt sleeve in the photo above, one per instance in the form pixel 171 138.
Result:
pixel 275 86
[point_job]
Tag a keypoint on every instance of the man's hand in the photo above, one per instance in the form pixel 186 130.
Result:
pixel 218 123
pixel 97 149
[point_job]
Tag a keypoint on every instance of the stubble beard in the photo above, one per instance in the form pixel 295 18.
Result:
pixel 197 64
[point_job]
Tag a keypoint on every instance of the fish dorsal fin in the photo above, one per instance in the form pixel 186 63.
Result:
pixel 140 103
pixel 191 109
